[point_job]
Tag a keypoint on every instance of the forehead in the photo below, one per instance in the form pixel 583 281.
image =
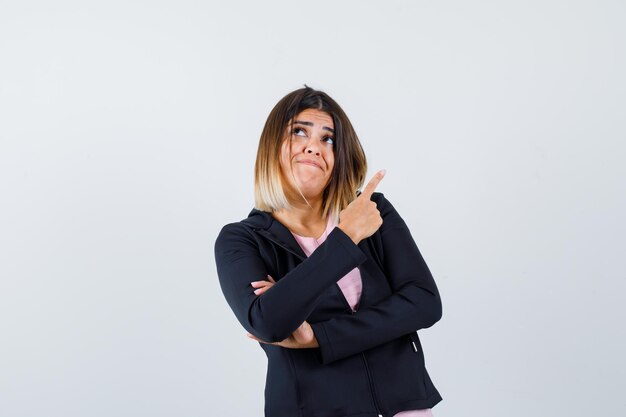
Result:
pixel 318 117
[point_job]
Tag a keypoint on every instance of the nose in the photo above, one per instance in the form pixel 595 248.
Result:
pixel 312 146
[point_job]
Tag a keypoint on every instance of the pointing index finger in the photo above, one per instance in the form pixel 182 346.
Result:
pixel 371 186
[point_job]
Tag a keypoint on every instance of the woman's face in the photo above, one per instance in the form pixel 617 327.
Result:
pixel 310 147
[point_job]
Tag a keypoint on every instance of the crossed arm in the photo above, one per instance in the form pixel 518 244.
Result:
pixel 281 311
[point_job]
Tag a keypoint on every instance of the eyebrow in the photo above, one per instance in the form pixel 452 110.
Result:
pixel 302 122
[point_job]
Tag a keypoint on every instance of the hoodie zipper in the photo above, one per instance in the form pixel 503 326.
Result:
pixel 369 376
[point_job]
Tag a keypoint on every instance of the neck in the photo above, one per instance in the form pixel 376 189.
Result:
pixel 302 214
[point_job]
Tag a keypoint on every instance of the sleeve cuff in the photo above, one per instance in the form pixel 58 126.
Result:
pixel 352 248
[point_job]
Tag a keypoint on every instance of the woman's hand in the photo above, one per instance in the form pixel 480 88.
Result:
pixel 262 286
pixel 303 337
pixel 361 218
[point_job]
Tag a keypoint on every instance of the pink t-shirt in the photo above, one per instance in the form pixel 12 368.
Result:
pixel 351 287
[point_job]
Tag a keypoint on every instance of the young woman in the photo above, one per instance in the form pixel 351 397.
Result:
pixel 328 279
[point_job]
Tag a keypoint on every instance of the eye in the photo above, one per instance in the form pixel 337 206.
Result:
pixel 298 131
pixel 330 139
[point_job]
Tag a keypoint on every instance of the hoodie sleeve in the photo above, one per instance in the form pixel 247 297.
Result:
pixel 415 303
pixel 280 311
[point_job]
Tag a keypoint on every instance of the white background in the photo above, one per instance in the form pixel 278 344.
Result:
pixel 128 132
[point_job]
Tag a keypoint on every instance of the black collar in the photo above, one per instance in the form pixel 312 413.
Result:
pixel 264 224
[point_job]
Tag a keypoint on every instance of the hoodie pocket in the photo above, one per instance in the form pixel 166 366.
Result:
pixel 337 389
pixel 398 371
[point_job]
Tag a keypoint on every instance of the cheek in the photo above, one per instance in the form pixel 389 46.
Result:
pixel 285 156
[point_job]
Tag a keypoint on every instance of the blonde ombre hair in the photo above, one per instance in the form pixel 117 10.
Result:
pixel 350 167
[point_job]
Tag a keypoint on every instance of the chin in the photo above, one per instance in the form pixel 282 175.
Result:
pixel 312 193
pixel 309 192
pixel 310 189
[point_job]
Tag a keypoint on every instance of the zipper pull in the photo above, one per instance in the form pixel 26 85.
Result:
pixel 413 343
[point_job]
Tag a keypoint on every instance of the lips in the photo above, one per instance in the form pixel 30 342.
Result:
pixel 310 162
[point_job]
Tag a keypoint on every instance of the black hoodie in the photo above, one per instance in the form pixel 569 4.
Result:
pixel 370 362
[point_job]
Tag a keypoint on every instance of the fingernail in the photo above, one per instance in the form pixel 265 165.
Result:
pixel 383 171
pixel 255 291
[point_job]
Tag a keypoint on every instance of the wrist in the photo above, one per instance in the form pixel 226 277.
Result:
pixel 350 233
